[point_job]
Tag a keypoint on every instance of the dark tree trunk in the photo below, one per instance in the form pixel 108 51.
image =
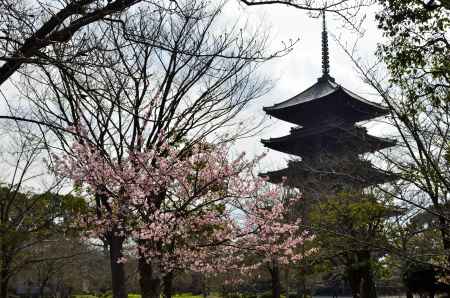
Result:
pixel 301 283
pixel 204 286
pixel 150 284
pixel 196 287
pixel 287 283
pixel 409 294
pixel 4 286
pixel 443 227
pixel 445 234
pixel 360 276
pixel 118 277
pixel 167 285
pixel 276 283
pixel 4 276
pixel 42 289
pixel 368 289
pixel 354 279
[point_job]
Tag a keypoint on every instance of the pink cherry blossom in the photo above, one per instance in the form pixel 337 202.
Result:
pixel 192 208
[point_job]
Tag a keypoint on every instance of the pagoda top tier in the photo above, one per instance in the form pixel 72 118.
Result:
pixel 326 102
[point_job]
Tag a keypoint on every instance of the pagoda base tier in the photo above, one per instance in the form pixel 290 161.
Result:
pixel 358 174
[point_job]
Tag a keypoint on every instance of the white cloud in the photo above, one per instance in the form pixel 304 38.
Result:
pixel 301 68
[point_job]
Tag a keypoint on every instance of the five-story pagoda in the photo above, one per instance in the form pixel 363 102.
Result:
pixel 329 145
pixel 327 138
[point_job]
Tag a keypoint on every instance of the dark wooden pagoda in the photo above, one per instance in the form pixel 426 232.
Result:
pixel 329 145
pixel 327 138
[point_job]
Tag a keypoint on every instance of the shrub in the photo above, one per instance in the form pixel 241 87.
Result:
pixel 233 295
pixel 266 295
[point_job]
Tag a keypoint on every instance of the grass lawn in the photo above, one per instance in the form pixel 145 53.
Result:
pixel 184 295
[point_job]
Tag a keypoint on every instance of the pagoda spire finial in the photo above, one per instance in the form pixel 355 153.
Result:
pixel 325 53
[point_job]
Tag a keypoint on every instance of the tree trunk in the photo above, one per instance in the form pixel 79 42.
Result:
pixel 167 285
pixel 204 286
pixel 4 276
pixel 118 277
pixel 299 287
pixel 368 289
pixel 276 283
pixel 360 275
pixel 287 282
pixel 443 227
pixel 4 287
pixel 149 282
pixel 301 284
pixel 354 279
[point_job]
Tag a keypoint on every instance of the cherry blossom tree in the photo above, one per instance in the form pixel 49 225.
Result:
pixel 177 206
pixel 203 76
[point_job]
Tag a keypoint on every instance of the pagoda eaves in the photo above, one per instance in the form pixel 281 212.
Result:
pixel 308 107
pixel 327 138
pixel 299 174
pixel 332 139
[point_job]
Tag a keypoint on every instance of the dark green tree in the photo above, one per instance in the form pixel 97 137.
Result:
pixel 28 222
pixel 417 50
pixel 350 239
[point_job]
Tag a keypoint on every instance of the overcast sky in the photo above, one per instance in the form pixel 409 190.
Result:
pixel 301 68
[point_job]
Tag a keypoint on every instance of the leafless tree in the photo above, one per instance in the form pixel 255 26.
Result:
pixel 347 10
pixel 29 29
pixel 159 69
pixel 421 162
pixel 422 159
pixel 27 219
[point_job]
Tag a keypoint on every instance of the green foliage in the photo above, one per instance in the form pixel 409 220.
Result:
pixel 234 295
pixel 417 51
pixel 105 296
pixel 249 295
pixel 347 215
pixel 417 54
pixel 31 223
pixel 348 227
pixel 266 295
pixel 186 295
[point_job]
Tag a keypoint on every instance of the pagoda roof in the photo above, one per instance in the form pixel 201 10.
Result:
pixel 300 174
pixel 331 139
pixel 327 98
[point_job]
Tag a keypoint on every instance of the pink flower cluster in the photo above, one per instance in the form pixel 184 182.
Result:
pixel 185 208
